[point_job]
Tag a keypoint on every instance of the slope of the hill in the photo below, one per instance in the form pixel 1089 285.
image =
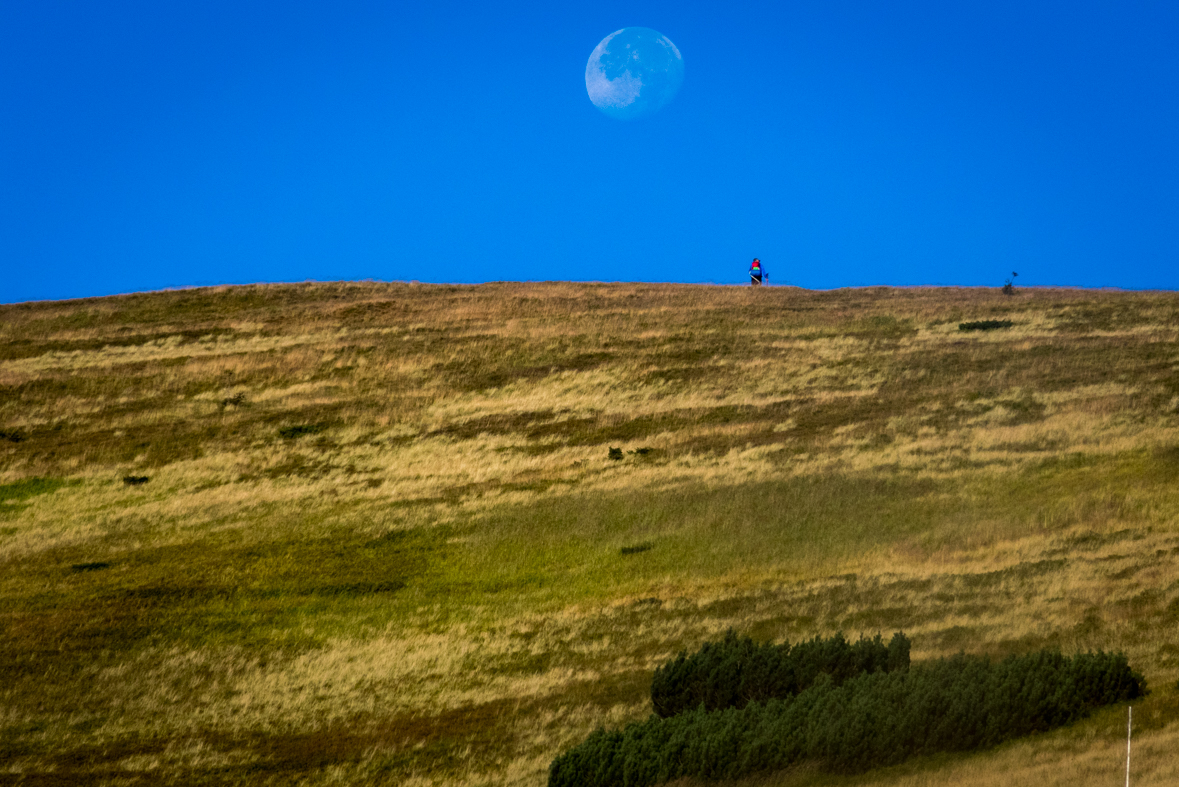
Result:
pixel 374 533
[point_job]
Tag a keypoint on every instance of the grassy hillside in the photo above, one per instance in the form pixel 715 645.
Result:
pixel 381 537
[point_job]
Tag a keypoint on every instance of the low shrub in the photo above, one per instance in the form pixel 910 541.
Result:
pixel 874 719
pixel 237 400
pixel 95 566
pixel 984 325
pixel 291 432
pixel 736 671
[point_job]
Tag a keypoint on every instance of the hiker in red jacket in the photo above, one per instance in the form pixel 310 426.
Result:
pixel 755 273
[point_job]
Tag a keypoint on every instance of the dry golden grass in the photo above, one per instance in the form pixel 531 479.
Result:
pixel 382 542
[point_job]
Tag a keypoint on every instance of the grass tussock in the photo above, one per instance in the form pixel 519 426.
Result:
pixel 414 534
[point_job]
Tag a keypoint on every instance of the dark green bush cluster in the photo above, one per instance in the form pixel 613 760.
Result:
pixel 984 325
pixel 737 671
pixel 873 719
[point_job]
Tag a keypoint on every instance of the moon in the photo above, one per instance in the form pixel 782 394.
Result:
pixel 633 72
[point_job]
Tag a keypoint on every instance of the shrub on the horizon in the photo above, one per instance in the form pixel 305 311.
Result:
pixel 736 671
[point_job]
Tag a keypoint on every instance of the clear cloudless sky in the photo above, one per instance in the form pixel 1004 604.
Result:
pixel 160 144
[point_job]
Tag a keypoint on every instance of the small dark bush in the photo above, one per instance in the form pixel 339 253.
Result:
pixel 135 480
pixel 292 432
pixel 97 566
pixel 237 400
pixel 984 325
pixel 646 546
pixel 615 454
pixel 13 436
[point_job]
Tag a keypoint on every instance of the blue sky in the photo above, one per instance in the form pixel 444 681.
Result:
pixel 165 144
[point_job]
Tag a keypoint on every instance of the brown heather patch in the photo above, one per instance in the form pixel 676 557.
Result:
pixel 382 540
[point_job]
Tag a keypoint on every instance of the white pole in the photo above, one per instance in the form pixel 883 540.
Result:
pixel 1129 724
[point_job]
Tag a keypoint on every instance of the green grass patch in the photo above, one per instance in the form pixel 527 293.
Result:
pixel 266 598
pixel 569 547
pixel 20 491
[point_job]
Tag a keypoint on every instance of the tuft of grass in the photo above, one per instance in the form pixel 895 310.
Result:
pixel 237 400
